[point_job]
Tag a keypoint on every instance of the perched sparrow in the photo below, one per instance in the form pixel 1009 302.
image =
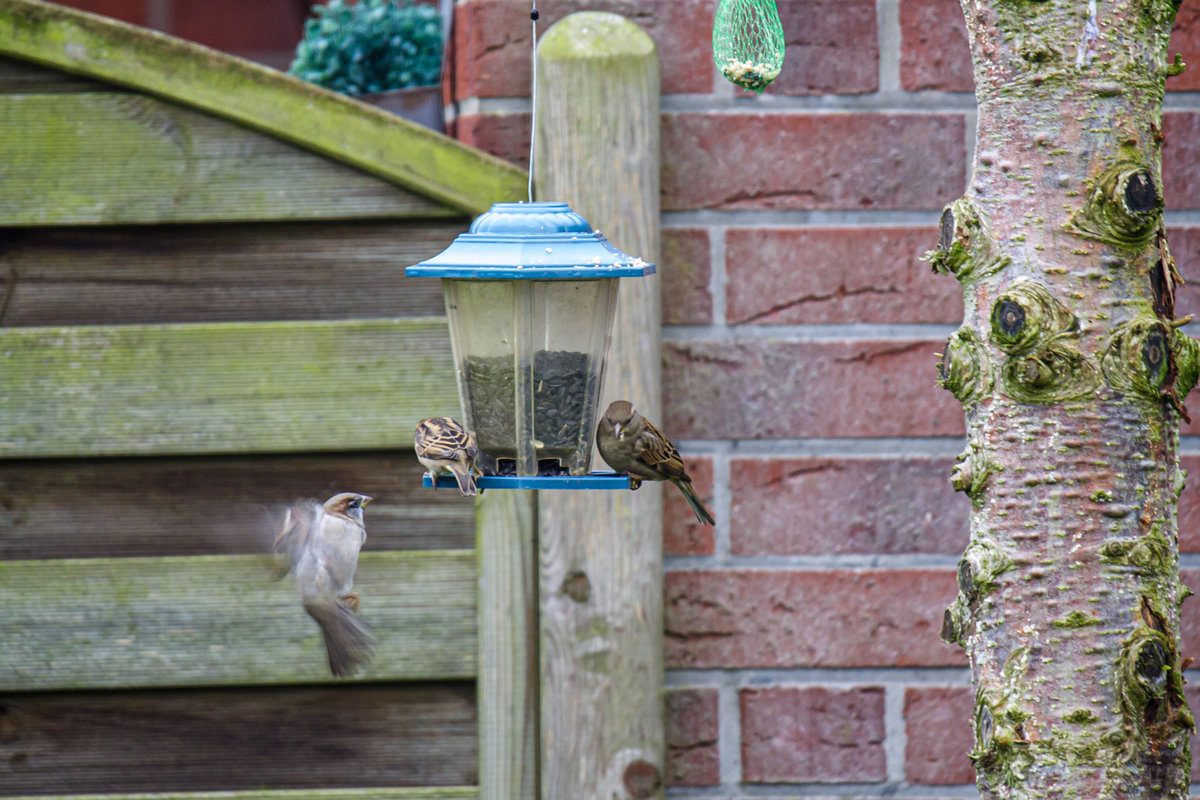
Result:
pixel 319 545
pixel 630 444
pixel 445 446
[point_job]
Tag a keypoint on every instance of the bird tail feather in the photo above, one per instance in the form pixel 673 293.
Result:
pixel 689 494
pixel 466 481
pixel 348 640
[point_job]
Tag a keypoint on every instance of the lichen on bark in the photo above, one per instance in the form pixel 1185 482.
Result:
pixel 1072 370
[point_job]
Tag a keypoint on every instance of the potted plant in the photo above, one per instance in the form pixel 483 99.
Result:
pixel 384 52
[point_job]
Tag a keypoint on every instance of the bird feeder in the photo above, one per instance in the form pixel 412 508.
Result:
pixel 531 292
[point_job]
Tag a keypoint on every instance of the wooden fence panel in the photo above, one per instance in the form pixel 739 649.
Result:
pixel 401 793
pixel 220 620
pixel 221 388
pixel 217 505
pixel 250 272
pixel 300 738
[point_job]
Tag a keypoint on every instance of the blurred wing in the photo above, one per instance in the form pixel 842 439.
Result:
pixel 295 531
pixel 656 451
pixel 443 439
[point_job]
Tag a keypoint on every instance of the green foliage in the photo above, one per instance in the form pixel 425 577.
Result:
pixel 370 46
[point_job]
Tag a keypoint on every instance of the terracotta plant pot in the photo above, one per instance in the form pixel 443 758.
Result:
pixel 421 104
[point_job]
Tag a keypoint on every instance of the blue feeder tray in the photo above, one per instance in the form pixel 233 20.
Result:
pixel 595 480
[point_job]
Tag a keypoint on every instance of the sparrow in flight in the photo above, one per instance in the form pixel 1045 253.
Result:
pixel 444 446
pixel 630 444
pixel 318 544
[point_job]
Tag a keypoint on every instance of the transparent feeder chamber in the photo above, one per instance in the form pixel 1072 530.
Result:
pixel 530 364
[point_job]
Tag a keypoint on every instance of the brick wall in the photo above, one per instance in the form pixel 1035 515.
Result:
pixel 802 633
pixel 261 30
pixel 798 370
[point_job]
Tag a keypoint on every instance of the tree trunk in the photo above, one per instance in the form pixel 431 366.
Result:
pixel 1071 370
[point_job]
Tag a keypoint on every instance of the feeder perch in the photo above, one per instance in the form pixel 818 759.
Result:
pixel 531 292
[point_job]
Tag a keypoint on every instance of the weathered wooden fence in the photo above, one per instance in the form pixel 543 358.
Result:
pixel 202 313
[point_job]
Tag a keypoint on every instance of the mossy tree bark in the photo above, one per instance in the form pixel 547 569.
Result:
pixel 1071 368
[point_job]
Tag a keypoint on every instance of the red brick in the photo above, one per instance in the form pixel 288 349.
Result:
pixel 1185 249
pixel 934 53
pixel 692 730
pixel 937 723
pixel 132 11
pixel 1181 159
pixel 832 47
pixel 503 135
pixel 730 619
pixel 1185 40
pixel 686 267
pixel 780 390
pixel 1189 506
pixel 1189 619
pixel 794 735
pixel 492 53
pixel 813 506
pixel 809 276
pixel 812 160
pixel 683 535
pixel 1192 693
pixel 240 27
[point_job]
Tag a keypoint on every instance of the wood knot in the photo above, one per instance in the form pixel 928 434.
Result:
pixel 641 779
pixel 1140 194
pixel 577 587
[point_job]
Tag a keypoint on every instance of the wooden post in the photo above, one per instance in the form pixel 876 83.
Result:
pixel 507 688
pixel 601 552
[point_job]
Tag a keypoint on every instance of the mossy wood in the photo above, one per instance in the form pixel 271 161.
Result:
pixel 114 275
pixel 222 387
pixel 1073 373
pixel 601 552
pixel 260 98
pixel 508 680
pixel 144 507
pixel 416 793
pixel 221 620
pixel 317 736
pixel 123 158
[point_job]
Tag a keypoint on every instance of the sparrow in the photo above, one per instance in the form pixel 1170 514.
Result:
pixel 318 543
pixel 630 444
pixel 444 446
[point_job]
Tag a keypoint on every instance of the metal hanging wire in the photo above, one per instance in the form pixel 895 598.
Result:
pixel 533 16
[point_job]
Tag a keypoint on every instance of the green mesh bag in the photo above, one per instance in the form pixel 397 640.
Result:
pixel 748 42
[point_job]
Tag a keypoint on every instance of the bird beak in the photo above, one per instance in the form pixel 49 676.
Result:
pixel 618 428
pixel 366 499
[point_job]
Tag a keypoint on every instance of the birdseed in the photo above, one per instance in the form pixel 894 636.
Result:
pixel 749 75
pixel 561 398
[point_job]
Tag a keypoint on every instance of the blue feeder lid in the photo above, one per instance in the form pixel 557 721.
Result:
pixel 530 240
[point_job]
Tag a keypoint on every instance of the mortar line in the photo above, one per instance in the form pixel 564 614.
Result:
pixel 723 500
pixel 866 448
pixel 808 333
pixel 895 733
pixel 158 15
pixel 718 278
pixel 816 563
pixel 940 677
pixel 763 218
pixel 887 18
pixel 729 734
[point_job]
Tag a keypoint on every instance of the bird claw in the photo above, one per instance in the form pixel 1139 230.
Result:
pixel 350 601
pixel 634 483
